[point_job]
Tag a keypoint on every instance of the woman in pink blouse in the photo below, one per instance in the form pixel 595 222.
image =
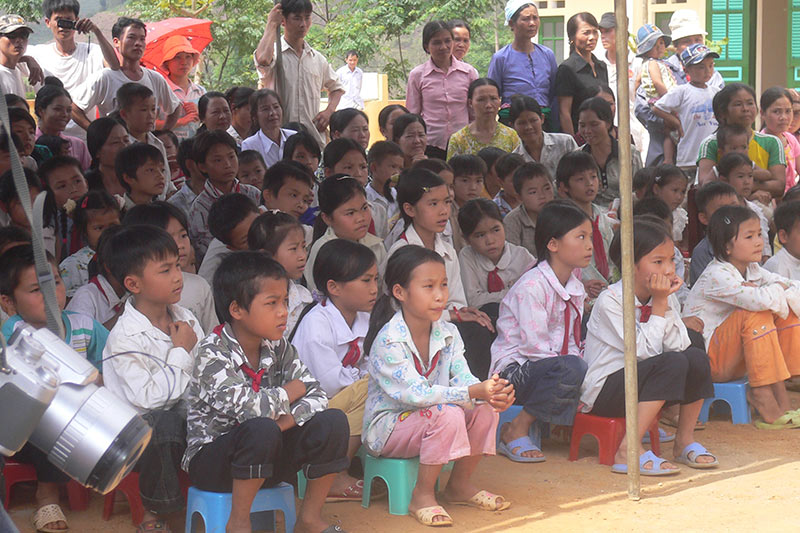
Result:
pixel 53 108
pixel 437 89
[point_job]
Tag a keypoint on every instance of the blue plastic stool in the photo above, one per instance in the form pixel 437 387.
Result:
pixel 507 416
pixel 400 476
pixel 538 429
pixel 215 508
pixel 734 394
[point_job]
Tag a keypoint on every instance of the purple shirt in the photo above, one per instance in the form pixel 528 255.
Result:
pixel 533 75
pixel 441 98
pixel 77 149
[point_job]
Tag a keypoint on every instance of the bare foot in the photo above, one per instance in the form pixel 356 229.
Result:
pixel 509 432
pixel 239 527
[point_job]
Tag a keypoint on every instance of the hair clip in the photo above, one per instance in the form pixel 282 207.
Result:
pixel 726 220
pixel 658 177
pixel 69 205
pixel 426 189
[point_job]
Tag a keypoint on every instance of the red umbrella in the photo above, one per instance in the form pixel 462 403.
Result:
pixel 198 31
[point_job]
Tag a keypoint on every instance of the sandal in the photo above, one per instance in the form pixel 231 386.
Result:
pixel 49 514
pixel 656 470
pixel 673 423
pixel 691 460
pixel 788 420
pixel 333 529
pixel 426 515
pixel 484 500
pixel 153 526
pixel 353 493
pixel 663 436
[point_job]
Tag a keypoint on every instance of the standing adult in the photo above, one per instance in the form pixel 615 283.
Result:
pixel 351 78
pixel 305 72
pixel 180 58
pixel 524 67
pixel 437 89
pixel 462 38
pixel 580 70
pixel 241 120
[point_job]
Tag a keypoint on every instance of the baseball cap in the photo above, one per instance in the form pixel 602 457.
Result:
pixel 647 37
pixel 695 54
pixel 11 23
pixel 608 21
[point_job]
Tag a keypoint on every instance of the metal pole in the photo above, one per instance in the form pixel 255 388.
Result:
pixel 626 235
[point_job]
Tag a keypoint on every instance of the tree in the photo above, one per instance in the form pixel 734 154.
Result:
pixel 30 11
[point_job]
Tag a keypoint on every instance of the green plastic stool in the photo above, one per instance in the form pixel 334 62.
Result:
pixel 400 476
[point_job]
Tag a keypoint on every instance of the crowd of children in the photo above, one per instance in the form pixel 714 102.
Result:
pixel 270 303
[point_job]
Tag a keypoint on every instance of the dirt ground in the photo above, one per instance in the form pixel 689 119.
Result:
pixel 758 478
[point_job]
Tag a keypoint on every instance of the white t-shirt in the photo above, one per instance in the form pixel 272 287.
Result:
pixel 696 114
pixel 11 80
pixel 100 90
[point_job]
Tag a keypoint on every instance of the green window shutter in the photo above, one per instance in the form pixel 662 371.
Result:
pixel 551 35
pixel 733 19
pixel 793 55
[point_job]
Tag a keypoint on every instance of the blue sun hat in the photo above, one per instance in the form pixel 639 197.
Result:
pixel 647 37
pixel 694 54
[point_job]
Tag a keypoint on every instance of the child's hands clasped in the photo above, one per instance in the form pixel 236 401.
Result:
pixel 496 391
pixel 594 287
pixel 182 335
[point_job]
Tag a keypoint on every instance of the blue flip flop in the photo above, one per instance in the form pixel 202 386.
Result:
pixel 524 444
pixel 663 436
pixel 622 468
pixel 698 450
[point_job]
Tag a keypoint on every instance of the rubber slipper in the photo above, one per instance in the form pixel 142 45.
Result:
pixel 426 515
pixel 663 436
pixel 483 500
pixel 523 444
pixel 622 468
pixel 49 514
pixel 333 529
pixel 671 422
pixel 353 493
pixel 153 526
pixel 691 461
pixel 788 420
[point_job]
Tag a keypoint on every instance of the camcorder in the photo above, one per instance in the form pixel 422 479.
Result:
pixel 66 24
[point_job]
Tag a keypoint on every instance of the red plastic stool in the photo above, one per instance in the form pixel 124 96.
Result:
pixel 14 473
pixel 129 486
pixel 608 432
pixel 78 496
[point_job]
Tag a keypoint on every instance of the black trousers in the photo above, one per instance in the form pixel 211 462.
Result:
pixel 46 472
pixel 477 347
pixel 160 463
pixel 674 377
pixel 258 449
pixel 434 152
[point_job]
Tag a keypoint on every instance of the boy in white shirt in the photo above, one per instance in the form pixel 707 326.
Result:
pixel 149 358
pixel 14 33
pixel 786 262
pixel 137 107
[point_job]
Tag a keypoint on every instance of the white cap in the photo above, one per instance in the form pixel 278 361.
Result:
pixel 512 6
pixel 685 22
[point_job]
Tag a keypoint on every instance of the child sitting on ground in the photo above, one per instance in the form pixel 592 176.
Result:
pixel 468 175
pixel 421 394
pixel 507 199
pixel 330 340
pixel 749 316
pixel 534 187
pixel 94 212
pixel 171 144
pixel 577 178
pixel 489 264
pixel 288 187
pixel 149 358
pixel 282 237
pixel 194 179
pixel 671 371
pixel 669 184
pixel 303 148
pixel 708 199
pixel 256 414
pixel 385 165
pixel 538 347
pixel 229 220
pixel 251 168
pixel 141 172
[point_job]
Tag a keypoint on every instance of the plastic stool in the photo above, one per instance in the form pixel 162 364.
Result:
pixel 301 477
pixel 14 473
pixel 129 486
pixel 733 393
pixel 78 496
pixel 215 508
pixel 608 432
pixel 400 476
pixel 507 416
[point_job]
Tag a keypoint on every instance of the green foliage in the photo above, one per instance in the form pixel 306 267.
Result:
pixel 30 11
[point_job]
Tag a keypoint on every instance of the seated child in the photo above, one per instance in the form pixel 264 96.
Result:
pixel 538 347
pixel 13 214
pixel 171 143
pixel 215 153
pixel 490 156
pixel 282 237
pixel 534 187
pixel 330 340
pixel 252 168
pixel 507 198
pixel 103 297
pixel 749 316
pixel 669 184
pixel 137 108
pixel 288 187
pixel 345 211
pixel 708 199
pixel 642 181
pixel 468 174
pixel 141 172
pixel 11 236
pixel 256 414
pixel 671 371
pixel 149 358
pixel 489 264
pixel 736 169
pixel 692 103
pixel 63 178
pixel 421 394
pixel 303 148
pixel 577 178
pixel 194 179
pixel 786 261
pixel 94 212
pixel 196 294
pixel 23 126
pixel 385 165
pixel 21 297
pixel 229 220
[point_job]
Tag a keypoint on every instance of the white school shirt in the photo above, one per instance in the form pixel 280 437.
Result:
pixel 720 291
pixel 604 352
pixel 456 298
pixel 475 269
pixel 399 227
pixel 762 219
pixel 696 114
pixel 351 80
pixel 322 339
pixel 141 379
pixel 271 152
pixel 96 302
pixel 369 240
pixel 784 264
pixel 100 90
pixel 680 271
pixel 532 323
pixel 376 197
pixel 197 297
pixel 379 219
pixel 11 80
pixel 216 251
pixel 152 140
pixel 299 298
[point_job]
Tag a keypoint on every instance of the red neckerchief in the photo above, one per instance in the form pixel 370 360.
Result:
pixel 371 228
pixel 494 283
pixel 353 353
pixel 646 311
pixel 418 364
pixel 576 327
pixel 403 236
pixel 252 374
pixel 96 282
pixel 600 259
